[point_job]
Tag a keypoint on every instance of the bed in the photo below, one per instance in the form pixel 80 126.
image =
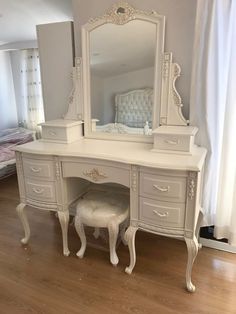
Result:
pixel 133 113
pixel 9 138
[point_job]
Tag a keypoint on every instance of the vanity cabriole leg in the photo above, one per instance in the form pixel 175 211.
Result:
pixel 192 246
pixel 199 224
pixel 24 220
pixel 64 221
pixel 130 239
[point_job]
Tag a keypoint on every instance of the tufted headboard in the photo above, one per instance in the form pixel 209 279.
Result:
pixel 134 108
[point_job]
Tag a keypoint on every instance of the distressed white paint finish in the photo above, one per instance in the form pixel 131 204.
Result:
pixel 75 106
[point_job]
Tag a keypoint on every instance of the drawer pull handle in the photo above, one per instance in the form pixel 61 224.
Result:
pixel 52 133
pixel 38 191
pixel 162 215
pixel 36 170
pixel 161 188
pixel 172 142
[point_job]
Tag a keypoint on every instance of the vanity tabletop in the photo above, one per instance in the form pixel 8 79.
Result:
pixel 118 151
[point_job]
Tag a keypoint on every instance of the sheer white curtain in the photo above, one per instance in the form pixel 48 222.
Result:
pixel 213 109
pixel 31 92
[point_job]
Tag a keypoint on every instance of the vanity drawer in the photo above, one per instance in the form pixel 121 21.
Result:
pixel 53 133
pixel 161 187
pixel 97 172
pixel 41 169
pixel 173 142
pixel 162 214
pixel 174 139
pixel 40 191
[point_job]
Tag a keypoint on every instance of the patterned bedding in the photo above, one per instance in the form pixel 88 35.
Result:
pixel 9 138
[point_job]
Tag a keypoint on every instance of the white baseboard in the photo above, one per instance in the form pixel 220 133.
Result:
pixel 217 245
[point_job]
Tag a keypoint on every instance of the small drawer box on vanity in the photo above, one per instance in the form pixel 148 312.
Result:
pixel 176 139
pixel 62 131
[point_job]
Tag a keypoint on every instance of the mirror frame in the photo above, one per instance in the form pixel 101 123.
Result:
pixel 165 74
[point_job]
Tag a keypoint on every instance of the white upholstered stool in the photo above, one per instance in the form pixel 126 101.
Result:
pixel 102 209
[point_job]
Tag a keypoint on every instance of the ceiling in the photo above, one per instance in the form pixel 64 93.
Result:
pixel 18 18
pixel 118 49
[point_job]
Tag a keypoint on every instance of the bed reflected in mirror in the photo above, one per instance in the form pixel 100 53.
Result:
pixel 122 63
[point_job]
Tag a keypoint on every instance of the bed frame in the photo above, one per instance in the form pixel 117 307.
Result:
pixel 134 108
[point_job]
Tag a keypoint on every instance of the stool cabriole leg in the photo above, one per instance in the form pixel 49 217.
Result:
pixel 113 229
pixel 80 230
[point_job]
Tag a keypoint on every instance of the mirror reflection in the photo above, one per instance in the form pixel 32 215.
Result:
pixel 122 59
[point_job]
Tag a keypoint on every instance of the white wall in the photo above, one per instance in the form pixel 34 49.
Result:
pixel 56 54
pixel 180 21
pixel 97 98
pixel 8 113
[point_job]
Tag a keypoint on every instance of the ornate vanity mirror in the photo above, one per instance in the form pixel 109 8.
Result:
pixel 128 80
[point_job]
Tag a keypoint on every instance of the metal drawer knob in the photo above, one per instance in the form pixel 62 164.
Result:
pixel 172 142
pixel 162 215
pixel 52 133
pixel 161 188
pixel 36 170
pixel 38 191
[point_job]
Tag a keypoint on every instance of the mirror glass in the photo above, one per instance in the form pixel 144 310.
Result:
pixel 122 63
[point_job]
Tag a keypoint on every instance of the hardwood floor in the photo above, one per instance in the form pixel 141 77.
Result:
pixel 38 279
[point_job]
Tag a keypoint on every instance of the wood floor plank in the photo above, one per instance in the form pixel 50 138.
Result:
pixel 37 278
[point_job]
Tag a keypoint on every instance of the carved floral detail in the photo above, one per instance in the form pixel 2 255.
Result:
pixel 134 178
pixel 176 96
pixel 57 170
pixel 95 174
pixel 166 65
pixel 191 185
pixel 74 100
pixel 120 128
pixel 121 13
pixel 19 162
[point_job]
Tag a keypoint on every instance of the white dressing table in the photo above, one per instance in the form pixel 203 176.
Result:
pixel 44 170
pixel 164 178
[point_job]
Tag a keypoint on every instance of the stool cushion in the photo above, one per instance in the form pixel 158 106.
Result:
pixel 99 208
